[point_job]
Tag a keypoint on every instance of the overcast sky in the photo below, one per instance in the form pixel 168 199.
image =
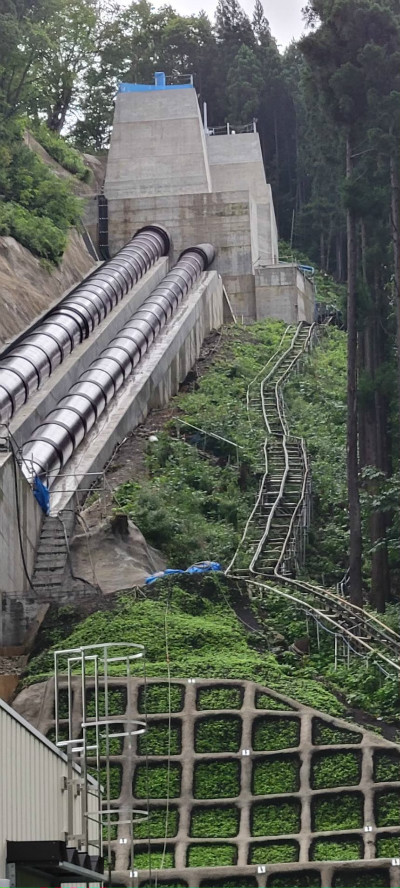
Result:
pixel 284 15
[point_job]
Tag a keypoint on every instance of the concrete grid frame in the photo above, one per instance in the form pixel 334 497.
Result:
pixel 367 795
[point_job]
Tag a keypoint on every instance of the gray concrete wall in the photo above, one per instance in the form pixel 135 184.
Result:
pixel 283 292
pixel 157 145
pixel 12 576
pixel 222 219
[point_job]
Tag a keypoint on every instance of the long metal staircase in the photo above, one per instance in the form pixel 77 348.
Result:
pixel 272 549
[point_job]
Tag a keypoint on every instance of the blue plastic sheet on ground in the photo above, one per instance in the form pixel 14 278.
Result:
pixel 42 494
pixel 199 568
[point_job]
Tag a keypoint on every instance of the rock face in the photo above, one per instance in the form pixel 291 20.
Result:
pixel 27 289
pixel 114 555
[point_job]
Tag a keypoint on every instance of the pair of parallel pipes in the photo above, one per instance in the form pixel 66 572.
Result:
pixel 32 361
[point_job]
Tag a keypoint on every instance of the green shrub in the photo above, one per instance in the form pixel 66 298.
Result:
pixel 154 698
pixel 116 699
pixel 301 879
pixel 216 780
pixel 62 734
pixel 265 701
pixel 345 848
pixel 388 846
pixel 223 697
pixel 215 822
pixel 38 233
pixel 337 811
pixel 274 852
pixel 275 775
pixel 114 743
pixel 335 769
pixel 143 860
pixel 275 818
pixel 211 855
pixel 155 827
pixel 363 878
pixel 154 782
pixel 328 735
pixel 386 766
pixel 115 779
pixel 275 733
pixel 63 153
pixel 158 740
pixel 215 734
pixel 387 806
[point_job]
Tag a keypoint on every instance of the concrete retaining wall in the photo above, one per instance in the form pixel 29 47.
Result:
pixel 283 292
pixel 12 575
pixel 222 219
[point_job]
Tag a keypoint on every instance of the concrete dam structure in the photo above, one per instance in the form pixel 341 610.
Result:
pixel 87 372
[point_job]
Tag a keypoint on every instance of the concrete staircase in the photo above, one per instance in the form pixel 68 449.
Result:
pixel 52 554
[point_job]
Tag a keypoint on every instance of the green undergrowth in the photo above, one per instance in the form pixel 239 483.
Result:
pixel 337 811
pixel 386 766
pixel 59 150
pixel 346 848
pixel 215 822
pixel 159 824
pixel 219 698
pixel 276 774
pixel 388 846
pixel 218 734
pixel 205 640
pixel 157 781
pixel 274 852
pixel 275 733
pixel 211 855
pixel 216 780
pixel 36 207
pixel 335 769
pixel 200 489
pixel 373 878
pixel 302 879
pixel 142 859
pixel 275 818
pixel 160 740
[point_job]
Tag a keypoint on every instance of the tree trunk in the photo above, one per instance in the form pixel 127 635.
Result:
pixel 355 572
pixel 395 188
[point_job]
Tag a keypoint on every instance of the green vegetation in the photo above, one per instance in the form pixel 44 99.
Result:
pixel 232 882
pixel 36 207
pixel 342 811
pixel 276 774
pixel 115 772
pixel 386 766
pixel 275 733
pixel 335 769
pixel 387 806
pixel 154 859
pixel 116 702
pixel 115 744
pixel 361 879
pixel 265 701
pixel 158 698
pixel 275 818
pixel 154 782
pixel 215 822
pixel 63 153
pixel 216 780
pixel 219 698
pixel 328 735
pixel 274 852
pixel 388 846
pixel 302 879
pixel 218 734
pixel 113 827
pixel 211 855
pixel 63 711
pixel 155 826
pixel 333 849
pixel 196 502
pixel 158 740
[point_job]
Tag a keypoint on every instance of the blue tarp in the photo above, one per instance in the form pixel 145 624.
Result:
pixel 42 494
pixel 201 567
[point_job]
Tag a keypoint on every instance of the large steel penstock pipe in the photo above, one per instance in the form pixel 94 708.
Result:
pixel 24 368
pixel 56 439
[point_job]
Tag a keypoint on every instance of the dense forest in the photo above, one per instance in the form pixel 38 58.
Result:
pixel 328 112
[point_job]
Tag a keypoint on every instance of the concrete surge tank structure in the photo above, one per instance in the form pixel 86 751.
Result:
pixel 164 165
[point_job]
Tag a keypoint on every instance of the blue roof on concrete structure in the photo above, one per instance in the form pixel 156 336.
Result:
pixel 160 82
